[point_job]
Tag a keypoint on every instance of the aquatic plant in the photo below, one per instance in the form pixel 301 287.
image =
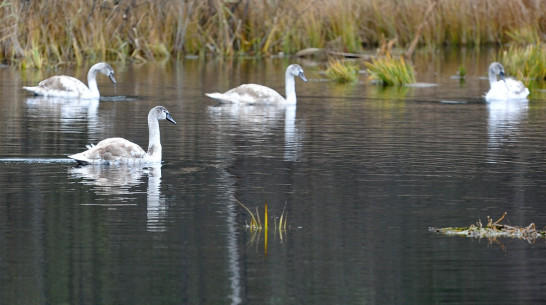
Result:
pixel 256 223
pixel 527 63
pixel 461 71
pixel 493 230
pixel 390 71
pixel 342 71
pixel 256 227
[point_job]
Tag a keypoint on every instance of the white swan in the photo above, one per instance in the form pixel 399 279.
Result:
pixel 258 94
pixel 122 151
pixel 70 87
pixel 505 88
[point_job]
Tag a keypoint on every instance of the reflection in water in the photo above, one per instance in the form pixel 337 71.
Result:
pixel 292 136
pixel 503 123
pixel 252 118
pixel 232 119
pixel 234 255
pixel 259 120
pixel 117 183
pixel 371 163
pixel 156 207
pixel 66 111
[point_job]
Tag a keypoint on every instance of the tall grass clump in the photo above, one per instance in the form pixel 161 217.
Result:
pixel 45 33
pixel 256 224
pixel 528 63
pixel 256 227
pixel 390 71
pixel 342 71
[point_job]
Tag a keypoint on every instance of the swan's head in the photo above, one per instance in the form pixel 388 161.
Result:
pixel 105 69
pixel 161 113
pixel 296 70
pixel 497 69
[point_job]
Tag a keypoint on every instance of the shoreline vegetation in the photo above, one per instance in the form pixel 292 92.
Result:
pixel 43 34
pixel 38 33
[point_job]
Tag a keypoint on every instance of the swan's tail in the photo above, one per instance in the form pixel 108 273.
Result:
pixel 221 98
pixel 35 90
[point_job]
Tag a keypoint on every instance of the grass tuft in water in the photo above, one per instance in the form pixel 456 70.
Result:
pixel 256 223
pixel 256 227
pixel 461 71
pixel 389 71
pixel 342 71
pixel 528 63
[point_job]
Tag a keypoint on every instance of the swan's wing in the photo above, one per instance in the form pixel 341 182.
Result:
pixel 112 150
pixel 62 86
pixel 63 83
pixel 248 94
pixel 497 91
pixel 516 88
pixel 508 89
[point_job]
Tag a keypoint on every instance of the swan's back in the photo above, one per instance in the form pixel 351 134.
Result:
pixel 248 94
pixel 60 86
pixel 508 89
pixel 112 151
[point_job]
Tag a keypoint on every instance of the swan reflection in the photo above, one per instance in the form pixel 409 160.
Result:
pixel 66 111
pixel 504 119
pixel 121 182
pixel 255 121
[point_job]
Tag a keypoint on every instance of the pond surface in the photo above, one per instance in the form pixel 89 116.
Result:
pixel 360 171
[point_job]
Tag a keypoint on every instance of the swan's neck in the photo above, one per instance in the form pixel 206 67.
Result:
pixel 154 142
pixel 290 88
pixel 492 77
pixel 92 82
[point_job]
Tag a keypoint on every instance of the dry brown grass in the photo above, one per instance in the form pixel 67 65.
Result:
pixel 38 33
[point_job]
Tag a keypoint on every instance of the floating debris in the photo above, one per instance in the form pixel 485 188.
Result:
pixel 493 230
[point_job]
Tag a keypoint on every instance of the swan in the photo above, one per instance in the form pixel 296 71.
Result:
pixel 505 88
pixel 122 151
pixel 258 94
pixel 70 87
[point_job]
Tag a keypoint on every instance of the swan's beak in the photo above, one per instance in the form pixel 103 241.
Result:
pixel 501 74
pixel 302 76
pixel 111 77
pixel 170 118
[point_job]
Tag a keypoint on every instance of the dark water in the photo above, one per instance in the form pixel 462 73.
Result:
pixel 363 173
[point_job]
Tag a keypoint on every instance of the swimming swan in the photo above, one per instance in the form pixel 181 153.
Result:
pixel 505 88
pixel 258 94
pixel 121 151
pixel 70 87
